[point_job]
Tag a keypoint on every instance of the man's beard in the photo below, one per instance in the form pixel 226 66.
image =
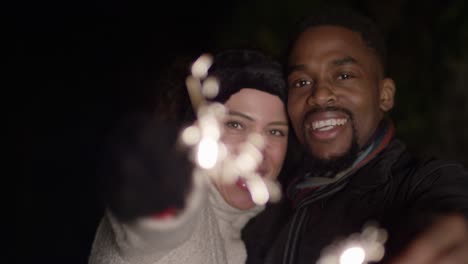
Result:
pixel 331 166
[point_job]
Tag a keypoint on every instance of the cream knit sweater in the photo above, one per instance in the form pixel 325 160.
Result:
pixel 207 232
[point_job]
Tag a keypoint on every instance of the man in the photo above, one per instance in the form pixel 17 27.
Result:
pixel 354 170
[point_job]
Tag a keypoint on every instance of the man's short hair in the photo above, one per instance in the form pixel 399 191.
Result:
pixel 349 19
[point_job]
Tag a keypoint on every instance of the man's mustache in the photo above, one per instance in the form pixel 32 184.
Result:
pixel 328 109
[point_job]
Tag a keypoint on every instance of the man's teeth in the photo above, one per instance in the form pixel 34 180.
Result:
pixel 324 125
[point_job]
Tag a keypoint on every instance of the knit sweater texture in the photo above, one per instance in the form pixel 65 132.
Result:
pixel 207 231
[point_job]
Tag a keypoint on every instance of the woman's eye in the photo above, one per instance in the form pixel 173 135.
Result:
pixel 234 125
pixel 277 132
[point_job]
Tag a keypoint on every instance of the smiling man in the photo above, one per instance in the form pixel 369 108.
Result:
pixel 354 170
pixel 337 94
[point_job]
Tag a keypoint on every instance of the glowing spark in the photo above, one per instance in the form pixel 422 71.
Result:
pixel 353 255
pixel 230 172
pixel 194 88
pixel 207 154
pixel 211 156
pixel 253 149
pixel 258 190
pixel 257 140
pixel 274 189
pixel 245 163
pixel 191 135
pixel 209 126
pixel 218 110
pixel 210 87
pixel 364 247
pixel 201 65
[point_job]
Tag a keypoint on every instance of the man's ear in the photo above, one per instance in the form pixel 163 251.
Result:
pixel 387 94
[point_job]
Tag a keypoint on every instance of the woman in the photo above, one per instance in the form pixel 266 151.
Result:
pixel 198 220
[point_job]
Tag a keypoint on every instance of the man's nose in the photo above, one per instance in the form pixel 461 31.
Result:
pixel 322 95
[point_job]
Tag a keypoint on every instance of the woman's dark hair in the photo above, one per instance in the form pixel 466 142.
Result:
pixel 234 68
pixel 242 68
pixel 172 100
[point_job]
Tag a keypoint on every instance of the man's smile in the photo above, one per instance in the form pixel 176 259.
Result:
pixel 325 125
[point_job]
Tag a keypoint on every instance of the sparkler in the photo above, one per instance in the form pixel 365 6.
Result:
pixel 209 153
pixel 359 248
pixel 214 159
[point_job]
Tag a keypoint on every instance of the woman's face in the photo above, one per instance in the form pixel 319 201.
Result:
pixel 253 111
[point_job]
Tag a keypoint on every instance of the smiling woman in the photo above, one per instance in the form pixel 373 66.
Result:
pixel 253 111
pixel 159 211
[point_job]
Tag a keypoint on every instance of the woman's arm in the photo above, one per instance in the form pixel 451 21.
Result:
pixel 144 174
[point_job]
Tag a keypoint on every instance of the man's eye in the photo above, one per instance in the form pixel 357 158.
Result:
pixel 234 125
pixel 344 76
pixel 302 83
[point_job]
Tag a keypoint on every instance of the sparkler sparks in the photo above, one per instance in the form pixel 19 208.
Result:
pixel 210 87
pixel 364 247
pixel 211 155
pixel 353 255
pixel 207 153
pixel 201 65
pixel 215 160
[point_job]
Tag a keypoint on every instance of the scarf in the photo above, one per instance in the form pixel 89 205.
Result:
pixel 307 188
pixel 315 187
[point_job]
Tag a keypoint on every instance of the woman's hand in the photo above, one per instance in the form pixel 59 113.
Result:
pixel 143 170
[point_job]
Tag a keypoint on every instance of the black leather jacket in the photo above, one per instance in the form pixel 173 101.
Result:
pixel 401 193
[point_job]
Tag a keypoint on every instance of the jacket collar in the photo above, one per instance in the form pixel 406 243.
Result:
pixel 378 170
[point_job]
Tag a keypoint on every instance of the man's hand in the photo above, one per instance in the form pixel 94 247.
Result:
pixel 446 241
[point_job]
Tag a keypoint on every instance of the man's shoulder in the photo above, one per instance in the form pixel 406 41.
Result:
pixel 421 164
pixel 430 165
pixel 399 166
pixel 429 173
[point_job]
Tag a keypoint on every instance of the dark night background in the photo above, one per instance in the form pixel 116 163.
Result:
pixel 73 67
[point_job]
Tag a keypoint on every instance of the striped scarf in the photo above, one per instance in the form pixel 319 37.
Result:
pixel 307 189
